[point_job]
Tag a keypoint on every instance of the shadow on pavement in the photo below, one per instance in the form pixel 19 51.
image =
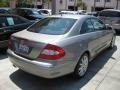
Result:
pixel 27 81
pixel 3 54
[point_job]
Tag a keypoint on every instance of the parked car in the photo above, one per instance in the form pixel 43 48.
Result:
pixel 111 17
pixel 59 45
pixel 72 12
pixel 10 24
pixel 45 12
pixel 93 13
pixel 81 11
pixel 28 13
pixel 4 10
pixel 68 12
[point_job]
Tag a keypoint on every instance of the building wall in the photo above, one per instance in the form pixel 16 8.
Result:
pixel 61 5
pixel 89 3
pixel 111 4
pixel 12 3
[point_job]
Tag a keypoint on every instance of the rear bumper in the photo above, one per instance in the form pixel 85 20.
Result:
pixel 4 44
pixel 42 69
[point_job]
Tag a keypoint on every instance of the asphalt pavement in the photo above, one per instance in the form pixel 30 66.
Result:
pixel 103 74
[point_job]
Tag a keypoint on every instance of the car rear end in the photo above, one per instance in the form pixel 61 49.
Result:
pixel 38 58
pixel 111 17
pixel 39 51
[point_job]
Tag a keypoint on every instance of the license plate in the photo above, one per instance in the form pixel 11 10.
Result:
pixel 23 48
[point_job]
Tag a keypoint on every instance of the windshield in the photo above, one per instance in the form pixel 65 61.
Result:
pixel 53 26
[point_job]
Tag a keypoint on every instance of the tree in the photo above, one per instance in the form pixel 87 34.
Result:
pixel 81 4
pixel 47 2
pixel 117 4
pixel 4 3
pixel 21 3
pixel 104 4
pixel 94 6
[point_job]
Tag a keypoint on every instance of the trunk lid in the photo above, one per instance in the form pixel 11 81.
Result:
pixel 29 44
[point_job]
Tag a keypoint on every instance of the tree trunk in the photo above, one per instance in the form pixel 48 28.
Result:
pixel 117 4
pixel 94 6
pixel 43 3
pixel 13 3
pixel 53 7
pixel 104 4
pixel 74 5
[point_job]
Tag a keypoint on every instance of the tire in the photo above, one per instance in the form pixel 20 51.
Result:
pixel 112 44
pixel 82 66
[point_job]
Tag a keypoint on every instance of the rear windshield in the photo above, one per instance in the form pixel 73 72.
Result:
pixel 53 26
pixel 110 14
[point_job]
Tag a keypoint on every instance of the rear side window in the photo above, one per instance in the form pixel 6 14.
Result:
pixel 44 12
pixel 10 21
pixel 18 20
pixel 53 26
pixel 110 14
pixel 20 12
pixel 87 27
pixel 30 12
pixel 3 22
pixel 98 25
pixel 6 21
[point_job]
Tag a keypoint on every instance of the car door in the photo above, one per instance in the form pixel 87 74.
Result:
pixel 4 34
pixel 105 35
pixel 12 24
pixel 90 37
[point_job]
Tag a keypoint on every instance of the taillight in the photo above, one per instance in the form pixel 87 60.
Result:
pixel 52 52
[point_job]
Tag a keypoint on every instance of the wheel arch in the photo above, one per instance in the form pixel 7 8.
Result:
pixel 85 52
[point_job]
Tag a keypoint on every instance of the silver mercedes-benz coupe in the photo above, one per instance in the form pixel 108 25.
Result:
pixel 60 44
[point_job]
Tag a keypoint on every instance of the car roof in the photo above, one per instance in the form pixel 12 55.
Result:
pixel 5 8
pixel 69 12
pixel 28 8
pixel 70 16
pixel 8 15
pixel 45 9
pixel 92 12
pixel 111 10
pixel 81 10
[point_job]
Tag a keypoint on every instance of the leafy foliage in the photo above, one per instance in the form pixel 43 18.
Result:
pixel 81 4
pixel 4 3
